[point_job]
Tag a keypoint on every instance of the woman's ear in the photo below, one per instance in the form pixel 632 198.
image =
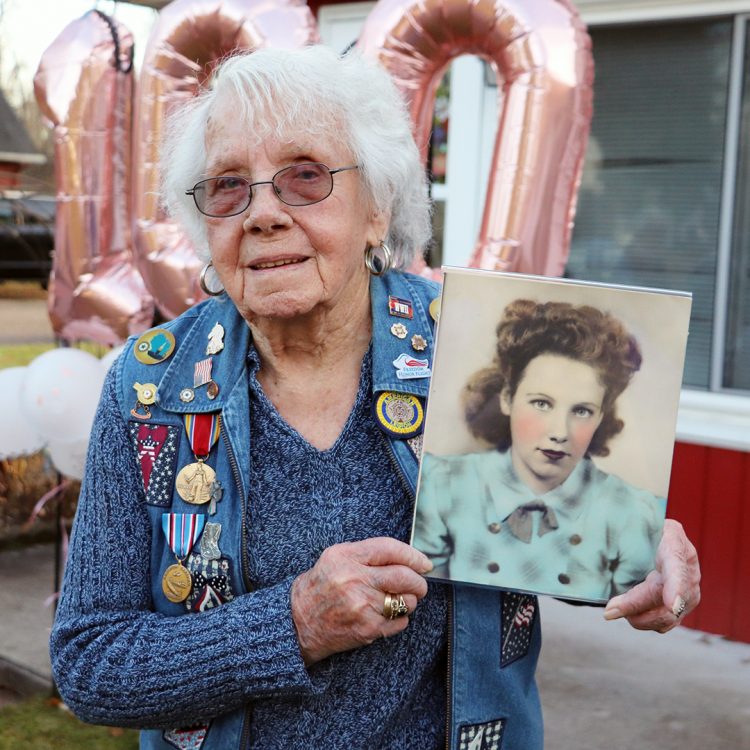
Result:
pixel 377 229
pixel 505 401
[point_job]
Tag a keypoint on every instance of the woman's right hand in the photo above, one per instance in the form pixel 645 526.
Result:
pixel 337 605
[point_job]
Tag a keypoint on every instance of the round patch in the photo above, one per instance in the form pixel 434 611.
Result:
pixel 399 414
pixel 154 346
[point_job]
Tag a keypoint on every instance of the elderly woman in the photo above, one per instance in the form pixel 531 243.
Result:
pixel 238 575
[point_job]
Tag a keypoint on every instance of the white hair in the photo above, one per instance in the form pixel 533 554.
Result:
pixel 311 91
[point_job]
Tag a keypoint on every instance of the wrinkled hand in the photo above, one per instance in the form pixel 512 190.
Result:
pixel 337 605
pixel 669 592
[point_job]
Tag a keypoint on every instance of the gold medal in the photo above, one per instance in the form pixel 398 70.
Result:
pixel 194 483
pixel 177 583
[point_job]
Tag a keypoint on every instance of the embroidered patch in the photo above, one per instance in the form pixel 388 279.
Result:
pixel 156 447
pixel 399 414
pixel 190 738
pixel 487 736
pixel 212 584
pixel 519 613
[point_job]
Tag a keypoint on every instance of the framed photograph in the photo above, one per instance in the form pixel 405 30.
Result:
pixel 549 433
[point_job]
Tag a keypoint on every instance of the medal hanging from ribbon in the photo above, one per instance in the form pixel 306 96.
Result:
pixel 182 531
pixel 196 483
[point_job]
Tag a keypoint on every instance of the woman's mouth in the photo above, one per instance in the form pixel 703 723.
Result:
pixel 263 265
pixel 554 455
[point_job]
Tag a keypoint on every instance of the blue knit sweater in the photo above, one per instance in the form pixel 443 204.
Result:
pixel 124 664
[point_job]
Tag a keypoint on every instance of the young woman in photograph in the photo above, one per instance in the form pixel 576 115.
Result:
pixel 536 514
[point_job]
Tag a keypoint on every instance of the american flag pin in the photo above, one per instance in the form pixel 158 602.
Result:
pixel 202 373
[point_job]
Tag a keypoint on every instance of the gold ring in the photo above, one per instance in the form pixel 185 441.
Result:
pixel 394 606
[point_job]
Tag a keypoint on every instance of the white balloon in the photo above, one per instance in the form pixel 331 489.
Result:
pixel 18 437
pixel 109 358
pixel 69 458
pixel 61 393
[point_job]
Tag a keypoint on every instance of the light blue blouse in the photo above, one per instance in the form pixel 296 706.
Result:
pixel 605 541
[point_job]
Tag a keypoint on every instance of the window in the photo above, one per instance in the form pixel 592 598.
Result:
pixel 737 348
pixel 650 200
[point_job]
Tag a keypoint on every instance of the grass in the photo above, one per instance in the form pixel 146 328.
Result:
pixel 20 355
pixel 42 724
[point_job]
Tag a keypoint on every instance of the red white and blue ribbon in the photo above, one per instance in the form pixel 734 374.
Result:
pixel 202 431
pixel 182 531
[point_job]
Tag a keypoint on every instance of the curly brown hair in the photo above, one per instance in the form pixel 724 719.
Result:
pixel 528 329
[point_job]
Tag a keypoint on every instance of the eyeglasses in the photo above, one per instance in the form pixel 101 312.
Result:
pixel 298 185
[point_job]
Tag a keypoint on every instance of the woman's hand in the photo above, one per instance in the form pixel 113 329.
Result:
pixel 337 605
pixel 669 592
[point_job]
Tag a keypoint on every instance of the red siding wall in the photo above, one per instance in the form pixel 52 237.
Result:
pixel 710 495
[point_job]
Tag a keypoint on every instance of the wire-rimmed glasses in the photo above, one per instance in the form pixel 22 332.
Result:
pixel 298 185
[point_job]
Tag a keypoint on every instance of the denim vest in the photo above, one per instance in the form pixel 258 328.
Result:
pixel 494 637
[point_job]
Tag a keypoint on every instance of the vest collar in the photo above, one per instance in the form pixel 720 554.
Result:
pixel 228 365
pixel 386 346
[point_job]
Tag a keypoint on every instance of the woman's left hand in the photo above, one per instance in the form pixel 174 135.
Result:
pixel 669 592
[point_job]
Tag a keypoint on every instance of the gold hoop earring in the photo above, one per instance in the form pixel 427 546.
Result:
pixel 202 281
pixel 379 259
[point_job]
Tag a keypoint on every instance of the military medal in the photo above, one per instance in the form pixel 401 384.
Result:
pixel 399 414
pixel 146 397
pixel 182 531
pixel 154 346
pixel 196 483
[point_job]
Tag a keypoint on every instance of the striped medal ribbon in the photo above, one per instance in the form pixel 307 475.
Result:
pixel 182 531
pixel 196 483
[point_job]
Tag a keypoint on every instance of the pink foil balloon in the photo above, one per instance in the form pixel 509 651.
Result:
pixel 541 54
pixel 84 88
pixel 190 37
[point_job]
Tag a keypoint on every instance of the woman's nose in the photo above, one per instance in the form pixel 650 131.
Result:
pixel 266 212
pixel 558 430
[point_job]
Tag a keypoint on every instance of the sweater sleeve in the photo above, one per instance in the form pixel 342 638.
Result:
pixel 116 661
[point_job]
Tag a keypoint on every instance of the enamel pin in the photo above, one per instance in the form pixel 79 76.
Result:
pixel 154 346
pixel 418 343
pixel 399 330
pixel 145 398
pixel 409 368
pixel 215 339
pixel 401 308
